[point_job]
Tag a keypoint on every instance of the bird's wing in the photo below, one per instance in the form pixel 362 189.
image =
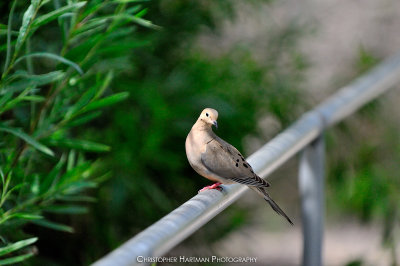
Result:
pixel 226 161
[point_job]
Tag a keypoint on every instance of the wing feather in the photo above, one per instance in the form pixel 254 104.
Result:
pixel 226 161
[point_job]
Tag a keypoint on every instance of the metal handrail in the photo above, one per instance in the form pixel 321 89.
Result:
pixel 169 231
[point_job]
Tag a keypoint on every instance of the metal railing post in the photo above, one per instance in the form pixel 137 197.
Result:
pixel 311 184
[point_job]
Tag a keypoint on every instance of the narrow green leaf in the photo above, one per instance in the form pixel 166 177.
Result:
pixel 10 17
pixel 17 245
pixel 43 2
pixel 83 100
pixel 51 178
pixel 54 57
pixel 67 209
pixel 10 104
pixel 56 13
pixel 76 198
pixel 143 22
pixel 79 172
pixel 79 186
pixel 26 20
pixel 106 82
pixel 90 25
pixel 71 160
pixel 133 9
pixel 20 215
pixel 79 51
pixel 16 259
pixel 42 78
pixel 35 3
pixel 66 15
pixel 5 218
pixel 5 181
pixel 87 33
pixel 33 80
pixel 142 13
pixel 103 178
pixel 28 139
pixel 3 199
pixel 83 119
pixel 33 98
pixel 4 99
pixel 2 177
pixel 5 32
pixel 27 216
pixel 78 144
pixel 54 226
pixel 106 101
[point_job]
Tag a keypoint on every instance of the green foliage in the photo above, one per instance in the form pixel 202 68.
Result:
pixel 16 246
pixel 46 93
pixel 363 164
pixel 364 173
pixel 357 262
pixel 365 60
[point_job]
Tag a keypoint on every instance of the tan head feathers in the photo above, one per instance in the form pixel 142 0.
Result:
pixel 209 116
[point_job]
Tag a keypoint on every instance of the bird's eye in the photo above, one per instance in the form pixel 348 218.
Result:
pixel 207 114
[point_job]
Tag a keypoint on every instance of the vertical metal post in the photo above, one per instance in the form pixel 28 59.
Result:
pixel 311 184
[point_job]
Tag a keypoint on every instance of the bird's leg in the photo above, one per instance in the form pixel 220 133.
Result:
pixel 213 186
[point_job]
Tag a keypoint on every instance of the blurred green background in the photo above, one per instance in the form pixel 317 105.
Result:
pixel 148 69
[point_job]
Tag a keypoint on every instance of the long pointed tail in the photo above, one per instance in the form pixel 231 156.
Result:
pixel 262 191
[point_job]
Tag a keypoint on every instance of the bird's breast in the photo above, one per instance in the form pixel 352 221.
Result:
pixel 194 148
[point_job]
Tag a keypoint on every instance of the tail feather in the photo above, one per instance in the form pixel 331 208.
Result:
pixel 271 202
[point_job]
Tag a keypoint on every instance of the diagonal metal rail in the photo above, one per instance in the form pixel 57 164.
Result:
pixel 169 231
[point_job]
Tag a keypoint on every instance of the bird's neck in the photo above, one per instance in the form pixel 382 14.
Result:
pixel 200 125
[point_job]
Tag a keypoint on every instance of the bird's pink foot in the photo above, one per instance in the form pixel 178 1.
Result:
pixel 213 186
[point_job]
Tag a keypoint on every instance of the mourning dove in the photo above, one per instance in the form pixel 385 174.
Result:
pixel 217 160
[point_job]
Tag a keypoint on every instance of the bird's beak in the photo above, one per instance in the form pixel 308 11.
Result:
pixel 215 124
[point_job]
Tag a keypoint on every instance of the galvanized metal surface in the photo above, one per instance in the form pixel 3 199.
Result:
pixel 311 186
pixel 162 236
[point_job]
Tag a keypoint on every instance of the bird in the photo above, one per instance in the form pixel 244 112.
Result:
pixel 217 160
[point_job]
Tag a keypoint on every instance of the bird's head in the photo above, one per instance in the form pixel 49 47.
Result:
pixel 209 116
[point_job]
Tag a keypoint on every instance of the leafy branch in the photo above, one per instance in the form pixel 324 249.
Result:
pixel 44 167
